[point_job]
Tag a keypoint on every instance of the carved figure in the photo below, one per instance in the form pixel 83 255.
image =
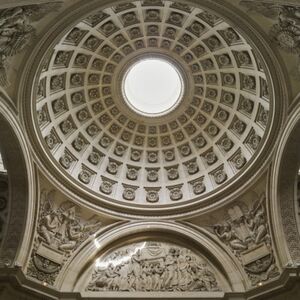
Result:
pixel 229 236
pixel 16 31
pixel 49 225
pixel 61 227
pixel 257 223
pixel 60 231
pixel 152 266
pixel 134 271
pixel 246 231
pixel 286 32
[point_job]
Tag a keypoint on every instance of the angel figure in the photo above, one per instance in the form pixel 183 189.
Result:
pixel 229 236
pixel 50 220
pixel 256 221
pixel 16 32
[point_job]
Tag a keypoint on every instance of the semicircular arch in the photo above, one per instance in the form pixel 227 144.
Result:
pixel 230 274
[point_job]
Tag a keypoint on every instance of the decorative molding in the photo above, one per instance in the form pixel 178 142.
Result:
pixel 19 169
pixel 283 191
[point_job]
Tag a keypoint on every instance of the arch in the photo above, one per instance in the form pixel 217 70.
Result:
pixel 22 189
pixel 215 254
pixel 283 191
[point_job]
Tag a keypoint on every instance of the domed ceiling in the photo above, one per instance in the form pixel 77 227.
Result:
pixel 123 158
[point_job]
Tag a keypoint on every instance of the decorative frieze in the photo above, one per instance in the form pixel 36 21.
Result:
pixel 152 266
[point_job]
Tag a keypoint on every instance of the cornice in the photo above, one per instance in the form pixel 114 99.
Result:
pixel 288 281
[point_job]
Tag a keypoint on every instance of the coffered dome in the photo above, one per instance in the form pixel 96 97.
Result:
pixel 119 156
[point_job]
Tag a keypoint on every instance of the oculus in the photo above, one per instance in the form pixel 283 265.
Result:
pixel 152 86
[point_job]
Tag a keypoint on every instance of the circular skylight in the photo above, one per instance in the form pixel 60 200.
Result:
pixel 152 86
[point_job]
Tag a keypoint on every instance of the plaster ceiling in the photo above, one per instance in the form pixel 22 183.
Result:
pixel 101 145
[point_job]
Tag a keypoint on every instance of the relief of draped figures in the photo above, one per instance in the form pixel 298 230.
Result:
pixel 60 231
pixel 153 266
pixel 17 31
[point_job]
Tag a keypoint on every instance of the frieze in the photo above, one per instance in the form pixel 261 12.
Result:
pixel 245 232
pixel 60 231
pixel 153 266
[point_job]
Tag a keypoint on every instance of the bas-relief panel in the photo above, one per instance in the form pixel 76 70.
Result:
pixel 244 230
pixel 17 31
pixel 152 266
pixel 61 229
pixel 285 32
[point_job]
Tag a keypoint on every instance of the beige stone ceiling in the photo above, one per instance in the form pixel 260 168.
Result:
pixel 102 145
pixel 106 202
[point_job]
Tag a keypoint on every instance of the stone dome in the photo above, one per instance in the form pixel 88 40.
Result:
pixel 122 158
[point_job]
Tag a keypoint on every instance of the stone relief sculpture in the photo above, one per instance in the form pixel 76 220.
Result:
pixel 286 31
pixel 245 232
pixel 16 31
pixel 152 266
pixel 60 231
